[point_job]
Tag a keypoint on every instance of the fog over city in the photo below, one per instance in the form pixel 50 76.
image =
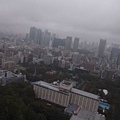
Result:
pixel 59 59
pixel 88 19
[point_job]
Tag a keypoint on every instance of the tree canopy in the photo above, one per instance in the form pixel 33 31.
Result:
pixel 18 102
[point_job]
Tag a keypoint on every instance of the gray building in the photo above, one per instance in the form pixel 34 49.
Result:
pixel 64 94
pixel 114 53
pixel 82 105
pixel 76 58
pixel 76 44
pixel 47 38
pixel 118 60
pixel 1 58
pixel 68 43
pixel 86 115
pixel 35 35
pixel 32 33
pixel 48 59
pixel 58 42
pixel 38 36
pixel 101 48
pixel 7 77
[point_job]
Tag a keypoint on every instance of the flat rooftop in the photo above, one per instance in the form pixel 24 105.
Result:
pixel 73 90
pixel 66 85
pixel 71 108
pixel 83 93
pixel 86 115
pixel 46 85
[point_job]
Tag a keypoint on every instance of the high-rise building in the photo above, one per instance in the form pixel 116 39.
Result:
pixel 58 42
pixel 38 37
pixel 32 33
pixel 118 60
pixel 35 35
pixel 68 43
pixel 26 37
pixel 113 45
pixel 101 48
pixel 47 37
pixel 114 53
pixel 1 58
pixel 53 36
pixel 76 44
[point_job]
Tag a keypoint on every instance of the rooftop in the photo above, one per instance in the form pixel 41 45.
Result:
pixel 71 108
pixel 66 85
pixel 9 74
pixel 86 115
pixel 46 85
pixel 87 94
pixel 73 90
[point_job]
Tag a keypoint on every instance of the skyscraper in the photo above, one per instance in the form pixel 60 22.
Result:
pixel 118 60
pixel 47 37
pixel 114 53
pixel 76 44
pixel 39 37
pixel 32 33
pixel 68 43
pixel 58 42
pixel 35 35
pixel 101 48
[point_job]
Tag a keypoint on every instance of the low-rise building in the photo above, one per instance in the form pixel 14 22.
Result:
pixel 48 59
pixel 7 77
pixel 64 94
pixel 8 65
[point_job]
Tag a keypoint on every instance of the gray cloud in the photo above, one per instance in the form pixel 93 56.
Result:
pixel 87 19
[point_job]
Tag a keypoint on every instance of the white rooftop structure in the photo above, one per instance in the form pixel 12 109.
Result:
pixel 105 91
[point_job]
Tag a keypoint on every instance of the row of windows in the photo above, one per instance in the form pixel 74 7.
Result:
pixel 52 96
pixel 64 100
pixel 84 102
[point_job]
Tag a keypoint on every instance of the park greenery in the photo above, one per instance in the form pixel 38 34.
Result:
pixel 113 96
pixel 36 72
pixel 85 82
pixel 18 102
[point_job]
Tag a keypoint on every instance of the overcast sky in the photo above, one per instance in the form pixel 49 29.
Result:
pixel 88 19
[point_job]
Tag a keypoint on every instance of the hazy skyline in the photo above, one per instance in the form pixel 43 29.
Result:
pixel 87 19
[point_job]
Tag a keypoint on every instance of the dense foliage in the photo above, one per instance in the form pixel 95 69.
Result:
pixel 113 96
pixel 85 81
pixel 41 74
pixel 17 102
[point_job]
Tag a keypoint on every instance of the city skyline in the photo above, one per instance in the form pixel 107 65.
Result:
pixel 59 60
pixel 88 20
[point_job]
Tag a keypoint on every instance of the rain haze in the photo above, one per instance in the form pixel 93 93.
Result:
pixel 88 19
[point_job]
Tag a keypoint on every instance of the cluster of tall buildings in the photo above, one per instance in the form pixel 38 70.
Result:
pixel 65 52
pixel 44 38
pixel 67 43
pixel 40 37
pixel 70 53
